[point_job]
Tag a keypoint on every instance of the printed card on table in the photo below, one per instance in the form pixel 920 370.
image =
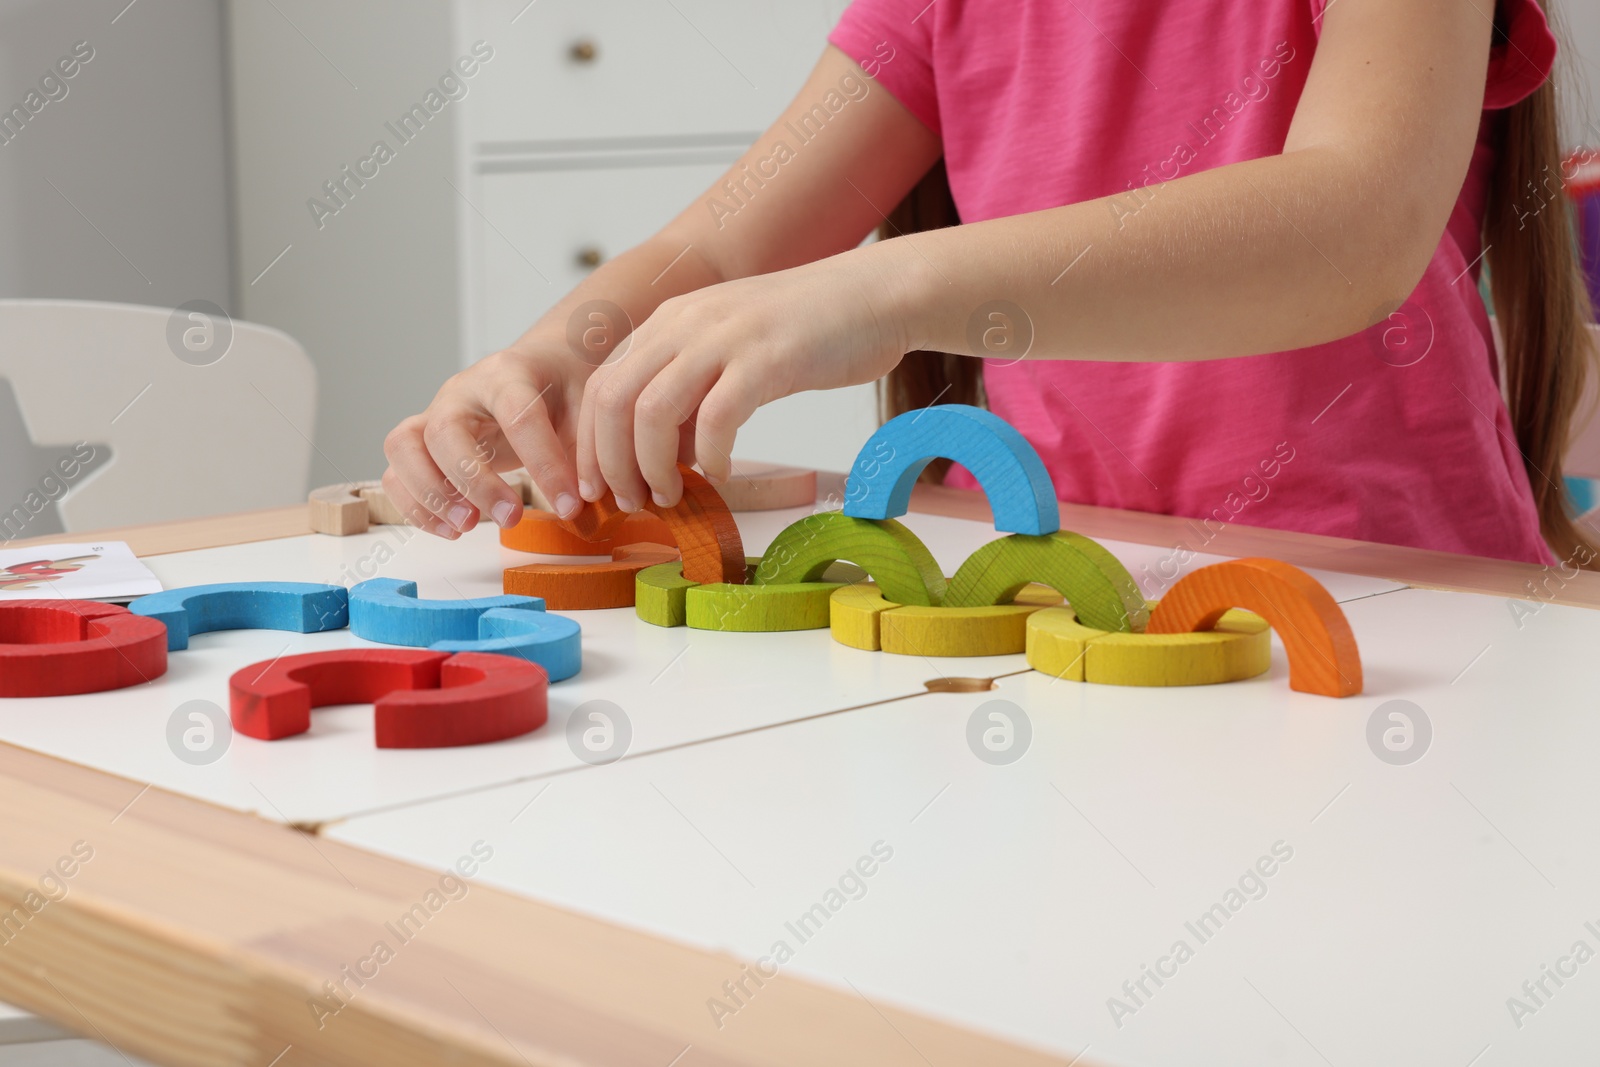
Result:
pixel 105 571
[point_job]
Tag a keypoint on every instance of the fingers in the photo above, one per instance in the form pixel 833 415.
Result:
pixel 401 500
pixel 727 406
pixel 524 418
pixel 428 496
pixel 661 415
pixel 466 462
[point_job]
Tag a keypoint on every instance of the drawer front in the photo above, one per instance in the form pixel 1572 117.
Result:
pixel 539 233
pixel 543 223
pixel 597 69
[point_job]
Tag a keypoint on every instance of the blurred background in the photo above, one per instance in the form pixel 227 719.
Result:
pixel 213 150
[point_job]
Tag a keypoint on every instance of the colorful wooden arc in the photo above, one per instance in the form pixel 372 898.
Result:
pixel 895 558
pixel 1238 647
pixel 861 617
pixel 554 642
pixel 1316 636
pixel 544 532
pixel 422 698
pixel 1093 581
pixel 1008 468
pixel 387 611
pixel 587 586
pixel 702 527
pixel 59 647
pixel 300 607
pixel 665 598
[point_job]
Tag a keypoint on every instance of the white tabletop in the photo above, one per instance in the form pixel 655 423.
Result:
pixel 1019 897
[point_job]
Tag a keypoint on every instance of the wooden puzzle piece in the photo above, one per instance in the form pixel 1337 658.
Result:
pixel 702 527
pixel 768 487
pixel 554 642
pixel 388 611
pixel 587 586
pixel 1239 647
pixel 544 532
pixel 59 647
pixel 861 617
pixel 894 556
pixel 1007 467
pixel 422 698
pixel 1322 652
pixel 1093 581
pixel 301 607
pixel 663 597
pixel 660 595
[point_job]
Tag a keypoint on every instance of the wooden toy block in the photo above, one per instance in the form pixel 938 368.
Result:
pixel 861 617
pixel 1316 636
pixel 554 642
pixel 659 595
pixel 854 612
pixel 301 607
pixel 702 527
pixel 59 647
pixel 587 586
pixel 752 608
pixel 767 487
pixel 895 558
pixel 544 532
pixel 388 611
pixel 1239 647
pixel 422 698
pixel 1093 581
pixel 1008 468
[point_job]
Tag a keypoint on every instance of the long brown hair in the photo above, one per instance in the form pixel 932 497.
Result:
pixel 1541 305
pixel 1540 302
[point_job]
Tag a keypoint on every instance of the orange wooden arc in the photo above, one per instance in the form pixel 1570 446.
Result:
pixel 587 586
pixel 545 533
pixel 701 525
pixel 1323 657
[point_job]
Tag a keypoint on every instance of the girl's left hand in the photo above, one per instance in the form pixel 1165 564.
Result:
pixel 697 369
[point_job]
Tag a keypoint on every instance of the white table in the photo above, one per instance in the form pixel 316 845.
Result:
pixel 1020 897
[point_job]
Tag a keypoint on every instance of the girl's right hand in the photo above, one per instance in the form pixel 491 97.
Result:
pixel 515 408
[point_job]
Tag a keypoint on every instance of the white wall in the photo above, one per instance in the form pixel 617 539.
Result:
pixel 136 146
pixel 1578 72
pixel 313 84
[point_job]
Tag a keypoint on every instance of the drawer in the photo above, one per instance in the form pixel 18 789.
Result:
pixel 526 245
pixel 551 217
pixel 569 69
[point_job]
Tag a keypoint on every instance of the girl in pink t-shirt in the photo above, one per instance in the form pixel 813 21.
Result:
pixel 1216 259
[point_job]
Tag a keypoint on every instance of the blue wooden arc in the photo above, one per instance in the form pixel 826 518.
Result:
pixel 551 641
pixel 387 610
pixel 1007 467
pixel 301 607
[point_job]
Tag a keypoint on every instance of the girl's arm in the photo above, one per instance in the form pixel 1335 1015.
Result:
pixel 518 407
pixel 1261 256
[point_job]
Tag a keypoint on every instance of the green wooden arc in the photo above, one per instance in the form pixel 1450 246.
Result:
pixel 1096 584
pixel 892 555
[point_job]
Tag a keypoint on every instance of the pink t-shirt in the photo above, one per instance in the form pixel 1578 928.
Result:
pixel 1397 434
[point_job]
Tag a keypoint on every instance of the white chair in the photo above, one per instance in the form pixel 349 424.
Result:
pixel 117 414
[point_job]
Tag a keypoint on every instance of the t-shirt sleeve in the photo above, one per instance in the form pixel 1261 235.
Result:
pixel 1521 54
pixel 1522 51
pixel 892 41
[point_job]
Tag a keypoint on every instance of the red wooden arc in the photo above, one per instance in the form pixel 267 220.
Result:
pixel 1323 657
pixel 701 525
pixel 422 699
pixel 59 647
